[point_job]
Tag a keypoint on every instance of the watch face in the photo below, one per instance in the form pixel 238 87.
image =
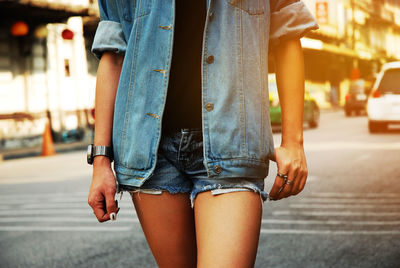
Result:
pixel 90 154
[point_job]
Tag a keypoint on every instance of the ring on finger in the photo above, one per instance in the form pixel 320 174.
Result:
pixel 288 182
pixel 283 176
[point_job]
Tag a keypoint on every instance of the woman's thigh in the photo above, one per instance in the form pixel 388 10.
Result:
pixel 167 221
pixel 227 228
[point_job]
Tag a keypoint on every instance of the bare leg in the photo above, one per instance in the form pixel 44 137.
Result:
pixel 227 229
pixel 168 224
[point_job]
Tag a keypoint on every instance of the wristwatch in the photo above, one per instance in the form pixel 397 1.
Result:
pixel 93 151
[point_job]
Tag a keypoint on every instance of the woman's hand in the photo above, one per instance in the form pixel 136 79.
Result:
pixel 291 162
pixel 102 190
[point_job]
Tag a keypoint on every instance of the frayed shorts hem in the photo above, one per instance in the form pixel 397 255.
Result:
pixel 215 189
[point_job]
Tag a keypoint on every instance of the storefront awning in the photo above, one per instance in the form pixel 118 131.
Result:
pixel 316 44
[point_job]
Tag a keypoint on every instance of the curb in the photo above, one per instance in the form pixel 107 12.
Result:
pixel 37 151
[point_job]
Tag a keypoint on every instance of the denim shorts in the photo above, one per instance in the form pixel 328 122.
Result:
pixel 180 169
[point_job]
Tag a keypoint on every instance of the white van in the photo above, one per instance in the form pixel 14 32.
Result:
pixel 383 105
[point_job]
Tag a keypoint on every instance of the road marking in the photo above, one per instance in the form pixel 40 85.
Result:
pixel 49 197
pixel 311 178
pixel 335 213
pixel 53 200
pixel 329 222
pixel 66 205
pixel 55 194
pixel 136 220
pixel 363 157
pixel 340 146
pixel 344 206
pixel 43 197
pixel 88 211
pixel 64 228
pixel 329 232
pixel 23 179
pixel 354 195
pixel 348 201
pixel 43 200
pixel 92 219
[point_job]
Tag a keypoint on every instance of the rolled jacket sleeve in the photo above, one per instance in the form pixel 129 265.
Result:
pixel 109 34
pixel 289 19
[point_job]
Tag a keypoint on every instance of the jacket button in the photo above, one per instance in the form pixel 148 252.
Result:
pixel 209 107
pixel 210 59
pixel 217 169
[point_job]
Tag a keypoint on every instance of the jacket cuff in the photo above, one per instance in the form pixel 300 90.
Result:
pixel 292 21
pixel 109 37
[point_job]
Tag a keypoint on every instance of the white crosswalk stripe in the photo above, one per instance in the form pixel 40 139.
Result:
pixel 53 212
pixel 334 214
pixel 317 213
pixel 61 219
pixel 329 232
pixel 64 228
pixel 329 222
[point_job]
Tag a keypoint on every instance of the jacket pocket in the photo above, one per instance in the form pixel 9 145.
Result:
pixel 134 9
pixel 252 7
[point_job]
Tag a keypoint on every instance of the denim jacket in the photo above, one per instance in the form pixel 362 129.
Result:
pixel 237 137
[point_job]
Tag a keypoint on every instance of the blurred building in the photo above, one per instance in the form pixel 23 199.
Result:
pixel 355 38
pixel 47 73
pixel 44 72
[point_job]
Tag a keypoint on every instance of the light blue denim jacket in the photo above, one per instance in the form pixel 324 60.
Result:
pixel 237 135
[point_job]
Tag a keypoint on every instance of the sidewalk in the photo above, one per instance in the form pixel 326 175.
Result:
pixel 37 150
pixel 59 167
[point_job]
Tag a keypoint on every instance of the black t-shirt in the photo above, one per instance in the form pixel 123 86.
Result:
pixel 183 107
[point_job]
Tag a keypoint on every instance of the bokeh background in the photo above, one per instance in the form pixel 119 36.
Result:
pixel 47 73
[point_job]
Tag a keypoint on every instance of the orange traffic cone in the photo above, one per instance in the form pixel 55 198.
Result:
pixel 47 145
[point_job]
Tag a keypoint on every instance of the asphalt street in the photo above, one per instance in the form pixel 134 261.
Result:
pixel 348 215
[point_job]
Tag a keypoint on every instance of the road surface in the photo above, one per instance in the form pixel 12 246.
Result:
pixel 348 215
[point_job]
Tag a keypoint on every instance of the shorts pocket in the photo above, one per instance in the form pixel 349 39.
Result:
pixel 252 7
pixel 134 9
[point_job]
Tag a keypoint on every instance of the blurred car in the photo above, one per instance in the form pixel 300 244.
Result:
pixel 383 104
pixel 311 109
pixel 356 98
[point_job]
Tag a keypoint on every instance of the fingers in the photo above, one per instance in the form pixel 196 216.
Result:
pixel 288 183
pixel 292 164
pixel 302 180
pixel 276 188
pixel 291 184
pixel 104 206
pixel 111 204
pixel 97 202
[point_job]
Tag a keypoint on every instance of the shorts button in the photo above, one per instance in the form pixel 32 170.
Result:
pixel 209 107
pixel 210 59
pixel 217 169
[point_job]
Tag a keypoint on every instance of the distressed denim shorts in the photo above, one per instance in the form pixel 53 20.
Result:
pixel 180 169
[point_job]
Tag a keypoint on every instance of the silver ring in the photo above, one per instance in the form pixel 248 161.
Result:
pixel 283 176
pixel 288 182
